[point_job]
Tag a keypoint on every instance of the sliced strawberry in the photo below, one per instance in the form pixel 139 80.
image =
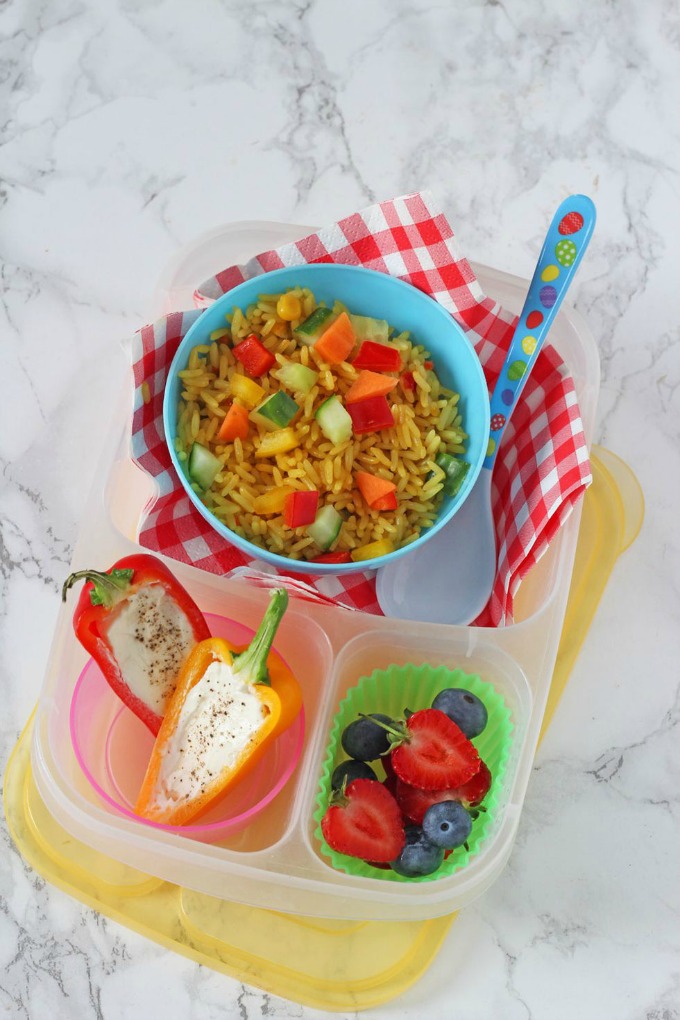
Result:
pixel 434 753
pixel 365 822
pixel 390 783
pixel 415 802
pixel 472 793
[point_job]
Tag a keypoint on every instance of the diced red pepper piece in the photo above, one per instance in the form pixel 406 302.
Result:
pixel 300 508
pixel 386 502
pixel 371 415
pixel 378 357
pixel 254 356
pixel 341 556
pixel 429 365
pixel 408 382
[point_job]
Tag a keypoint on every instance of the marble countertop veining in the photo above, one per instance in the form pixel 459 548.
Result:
pixel 127 128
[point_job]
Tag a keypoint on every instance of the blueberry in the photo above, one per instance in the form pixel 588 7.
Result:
pixel 464 708
pixel 419 857
pixel 447 824
pixel 349 771
pixel 364 739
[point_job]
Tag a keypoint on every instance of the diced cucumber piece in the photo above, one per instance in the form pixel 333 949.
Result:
pixel 275 412
pixel 366 328
pixel 202 466
pixel 326 527
pixel 334 420
pixel 297 378
pixel 455 471
pixel 311 329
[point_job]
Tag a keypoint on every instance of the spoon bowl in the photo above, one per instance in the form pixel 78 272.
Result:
pixel 451 579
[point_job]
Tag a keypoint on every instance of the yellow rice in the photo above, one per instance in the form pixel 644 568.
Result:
pixel 427 422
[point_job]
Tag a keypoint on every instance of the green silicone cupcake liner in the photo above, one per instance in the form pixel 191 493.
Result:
pixel 414 687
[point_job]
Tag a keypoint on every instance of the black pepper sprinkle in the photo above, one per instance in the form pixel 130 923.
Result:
pixel 158 627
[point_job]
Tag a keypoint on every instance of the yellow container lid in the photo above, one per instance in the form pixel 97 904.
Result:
pixel 327 964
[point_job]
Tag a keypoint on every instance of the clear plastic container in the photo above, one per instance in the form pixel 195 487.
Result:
pixel 274 862
pixel 328 964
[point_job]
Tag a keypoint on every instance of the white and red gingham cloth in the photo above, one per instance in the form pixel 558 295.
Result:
pixel 542 468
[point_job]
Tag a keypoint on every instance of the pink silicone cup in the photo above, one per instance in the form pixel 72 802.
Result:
pixel 114 762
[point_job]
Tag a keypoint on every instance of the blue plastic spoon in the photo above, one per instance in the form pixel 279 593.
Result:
pixel 450 578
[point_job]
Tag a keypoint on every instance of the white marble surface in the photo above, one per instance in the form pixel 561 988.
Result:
pixel 126 129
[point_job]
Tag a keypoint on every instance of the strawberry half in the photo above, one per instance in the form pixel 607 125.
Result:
pixel 364 821
pixel 472 793
pixel 432 753
pixel 414 802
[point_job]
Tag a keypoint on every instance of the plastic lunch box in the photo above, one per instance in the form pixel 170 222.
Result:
pixel 124 868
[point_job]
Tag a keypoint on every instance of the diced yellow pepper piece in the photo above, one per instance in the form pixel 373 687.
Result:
pixel 281 441
pixel 219 334
pixel 372 550
pixel 272 502
pixel 246 390
pixel 289 307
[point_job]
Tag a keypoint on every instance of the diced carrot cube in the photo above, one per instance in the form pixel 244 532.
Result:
pixel 235 424
pixel 337 342
pixel 374 489
pixel 370 384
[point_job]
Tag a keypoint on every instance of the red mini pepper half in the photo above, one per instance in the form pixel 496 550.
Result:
pixel 254 356
pixel 139 625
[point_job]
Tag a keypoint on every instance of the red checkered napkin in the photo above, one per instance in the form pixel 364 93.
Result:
pixel 541 470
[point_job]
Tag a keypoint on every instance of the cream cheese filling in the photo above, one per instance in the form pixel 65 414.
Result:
pixel 151 638
pixel 220 717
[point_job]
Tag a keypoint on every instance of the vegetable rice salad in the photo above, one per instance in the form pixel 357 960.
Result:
pixel 318 434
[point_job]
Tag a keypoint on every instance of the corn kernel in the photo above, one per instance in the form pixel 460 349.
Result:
pixel 289 307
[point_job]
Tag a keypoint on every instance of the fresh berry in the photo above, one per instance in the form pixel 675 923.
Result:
pixel 463 708
pixel 390 783
pixel 472 793
pixel 419 856
pixel 431 752
pixel 364 739
pixel 347 771
pixel 364 821
pixel 414 802
pixel 386 763
pixel 447 824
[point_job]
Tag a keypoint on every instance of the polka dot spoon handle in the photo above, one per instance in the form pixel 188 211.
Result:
pixel 564 246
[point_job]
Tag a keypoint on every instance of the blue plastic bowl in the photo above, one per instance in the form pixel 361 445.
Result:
pixel 364 292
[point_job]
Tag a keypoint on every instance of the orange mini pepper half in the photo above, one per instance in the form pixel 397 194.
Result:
pixel 228 707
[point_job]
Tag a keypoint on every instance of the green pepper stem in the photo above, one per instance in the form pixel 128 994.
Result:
pixel 108 588
pixel 254 659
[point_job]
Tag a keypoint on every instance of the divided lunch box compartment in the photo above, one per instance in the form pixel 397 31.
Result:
pixel 330 964
pixel 275 862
